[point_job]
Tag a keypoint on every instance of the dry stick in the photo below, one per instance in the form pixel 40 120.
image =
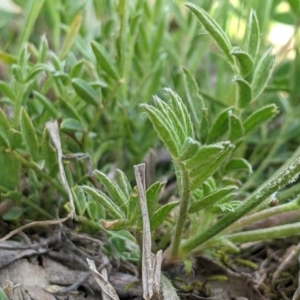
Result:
pixel 147 269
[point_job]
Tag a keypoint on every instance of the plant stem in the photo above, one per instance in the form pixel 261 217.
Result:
pixel 256 198
pixel 184 195
pixel 291 206
pixel 274 232
pixel 37 169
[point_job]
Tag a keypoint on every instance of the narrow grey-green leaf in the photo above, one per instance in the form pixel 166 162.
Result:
pixel 104 61
pixel 29 135
pixel 262 73
pixel 236 129
pixel 204 128
pixel 219 127
pixel 93 210
pixel 80 200
pixel 211 198
pixel 204 155
pixel 7 91
pixel 161 214
pixel 85 91
pixel 189 149
pixel 71 126
pixel 174 120
pixel 163 129
pixel 238 164
pixel 243 92
pixel 134 215
pixel 36 70
pixel 244 59
pixel 110 207
pixel 116 225
pixel 211 168
pixel 123 182
pixel 152 195
pixel 181 112
pixel 213 28
pixel 252 39
pixel 114 191
pixel 15 139
pixel 260 116
pixel 4 129
pixel 194 98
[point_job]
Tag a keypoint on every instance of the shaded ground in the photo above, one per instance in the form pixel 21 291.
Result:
pixel 56 268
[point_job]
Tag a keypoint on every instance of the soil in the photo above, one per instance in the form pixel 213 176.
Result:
pixel 55 267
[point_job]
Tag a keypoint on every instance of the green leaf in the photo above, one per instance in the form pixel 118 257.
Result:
pixel 80 200
pixel 164 129
pixel 152 196
pixel 43 49
pixel 104 61
pixel 9 165
pixel 114 191
pixel 15 139
pixel 69 110
pixel 260 116
pixel 34 71
pixel 13 214
pixel 244 59
pixel 211 198
pixel 29 135
pixel 173 119
pixel 252 36
pixel 85 91
pixel 236 129
pixel 204 125
pixel 4 129
pixel 238 164
pixel 33 11
pixel 134 215
pixel 71 36
pixel 243 92
pixel 207 171
pixel 220 126
pixel 123 182
pixel 204 155
pixel 189 149
pixel 77 69
pixel 71 125
pixel 49 154
pixel 295 6
pixel 192 94
pixel 8 58
pixel 181 112
pixel 7 91
pixel 93 210
pixel 213 28
pixel 110 207
pixel 262 73
pixel 47 104
pixel 160 215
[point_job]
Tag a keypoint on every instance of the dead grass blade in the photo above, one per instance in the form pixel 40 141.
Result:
pixel 108 291
pixel 147 269
pixel 54 133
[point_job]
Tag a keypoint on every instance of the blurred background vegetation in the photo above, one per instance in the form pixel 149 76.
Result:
pixel 45 47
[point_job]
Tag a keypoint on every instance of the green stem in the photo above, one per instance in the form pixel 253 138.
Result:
pixel 184 195
pixel 274 232
pixel 37 169
pixel 289 193
pixel 262 215
pixel 256 198
pixel 101 106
